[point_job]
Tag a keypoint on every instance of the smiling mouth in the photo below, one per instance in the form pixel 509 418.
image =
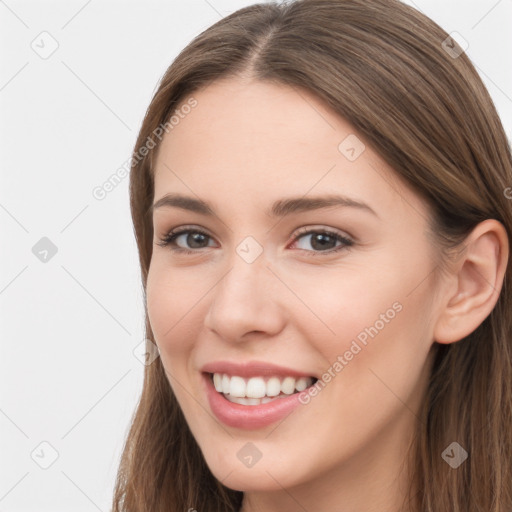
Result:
pixel 258 390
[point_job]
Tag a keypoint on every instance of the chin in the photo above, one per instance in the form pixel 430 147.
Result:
pixel 264 475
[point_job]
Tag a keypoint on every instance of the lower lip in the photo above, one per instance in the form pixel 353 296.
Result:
pixel 248 416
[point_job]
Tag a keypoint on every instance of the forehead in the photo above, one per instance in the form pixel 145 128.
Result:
pixel 247 143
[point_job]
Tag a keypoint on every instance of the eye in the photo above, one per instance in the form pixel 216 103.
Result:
pixel 321 240
pixel 195 237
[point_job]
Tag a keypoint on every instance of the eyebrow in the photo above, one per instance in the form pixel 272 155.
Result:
pixel 280 208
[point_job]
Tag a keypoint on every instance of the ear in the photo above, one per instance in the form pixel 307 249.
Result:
pixel 475 282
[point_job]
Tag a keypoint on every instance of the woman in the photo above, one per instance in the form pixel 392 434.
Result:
pixel 319 196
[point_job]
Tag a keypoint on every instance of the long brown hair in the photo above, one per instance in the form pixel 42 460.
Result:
pixel 396 76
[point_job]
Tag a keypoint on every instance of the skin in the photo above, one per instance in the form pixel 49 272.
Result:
pixel 246 145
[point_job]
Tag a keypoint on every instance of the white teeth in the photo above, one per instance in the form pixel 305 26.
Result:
pixel 257 390
pixel 217 382
pixel 256 387
pixel 273 386
pixel 225 384
pixel 250 401
pixel 301 384
pixel 288 385
pixel 237 387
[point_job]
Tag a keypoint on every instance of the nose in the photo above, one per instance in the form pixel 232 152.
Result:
pixel 246 301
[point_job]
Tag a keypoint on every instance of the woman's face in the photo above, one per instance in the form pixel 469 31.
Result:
pixel 279 289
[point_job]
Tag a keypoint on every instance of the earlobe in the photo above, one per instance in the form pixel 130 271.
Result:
pixel 477 281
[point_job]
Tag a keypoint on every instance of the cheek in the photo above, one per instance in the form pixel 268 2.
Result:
pixel 172 300
pixel 371 315
pixel 171 308
pixel 345 302
pixel 382 336
pixel 384 350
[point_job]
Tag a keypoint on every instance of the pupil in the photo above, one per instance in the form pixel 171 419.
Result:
pixel 322 238
pixel 195 237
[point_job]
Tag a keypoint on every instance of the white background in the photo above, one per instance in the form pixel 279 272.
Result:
pixel 68 374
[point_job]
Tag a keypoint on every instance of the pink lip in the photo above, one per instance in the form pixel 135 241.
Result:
pixel 247 416
pixel 252 369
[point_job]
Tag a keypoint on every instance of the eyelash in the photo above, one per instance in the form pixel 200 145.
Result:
pixel 171 236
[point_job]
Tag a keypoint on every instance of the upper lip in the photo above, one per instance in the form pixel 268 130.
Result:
pixel 252 369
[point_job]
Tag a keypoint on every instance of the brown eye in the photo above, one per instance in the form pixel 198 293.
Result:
pixel 322 241
pixel 191 238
